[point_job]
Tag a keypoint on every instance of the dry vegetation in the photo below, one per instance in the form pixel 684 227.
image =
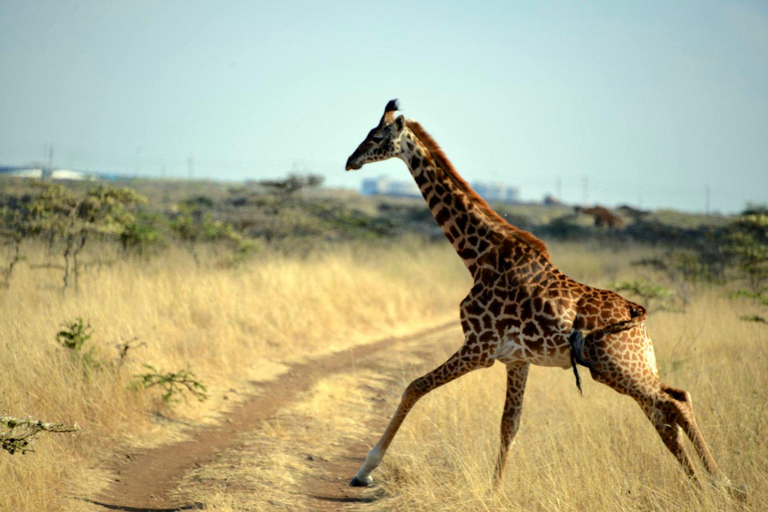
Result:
pixel 232 321
pixel 231 326
pixel 596 452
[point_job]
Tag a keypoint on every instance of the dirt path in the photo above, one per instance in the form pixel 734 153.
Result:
pixel 147 478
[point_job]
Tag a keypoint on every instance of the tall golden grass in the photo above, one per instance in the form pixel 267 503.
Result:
pixel 231 326
pixel 596 452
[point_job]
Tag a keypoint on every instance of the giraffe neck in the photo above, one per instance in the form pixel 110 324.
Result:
pixel 469 224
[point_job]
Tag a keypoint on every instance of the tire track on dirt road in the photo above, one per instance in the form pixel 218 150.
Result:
pixel 146 478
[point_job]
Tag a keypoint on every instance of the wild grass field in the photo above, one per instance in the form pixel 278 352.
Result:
pixel 596 452
pixel 230 327
pixel 345 278
pixel 593 452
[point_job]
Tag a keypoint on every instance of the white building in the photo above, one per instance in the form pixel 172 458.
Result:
pixel 383 186
pixel 39 173
pixel 496 192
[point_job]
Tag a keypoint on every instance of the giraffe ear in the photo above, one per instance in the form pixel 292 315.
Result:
pixel 389 112
pixel 399 123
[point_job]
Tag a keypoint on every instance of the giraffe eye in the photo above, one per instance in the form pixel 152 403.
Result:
pixel 377 138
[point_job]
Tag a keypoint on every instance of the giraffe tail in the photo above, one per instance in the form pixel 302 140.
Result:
pixel 576 341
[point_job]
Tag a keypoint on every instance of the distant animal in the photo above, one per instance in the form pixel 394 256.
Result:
pixel 603 217
pixel 633 213
pixel 522 310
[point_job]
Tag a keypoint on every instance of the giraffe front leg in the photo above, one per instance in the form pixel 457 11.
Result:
pixel 460 363
pixel 517 375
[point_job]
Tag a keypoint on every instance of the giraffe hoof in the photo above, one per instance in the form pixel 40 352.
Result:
pixel 357 482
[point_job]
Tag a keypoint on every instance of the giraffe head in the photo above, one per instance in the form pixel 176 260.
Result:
pixel 382 142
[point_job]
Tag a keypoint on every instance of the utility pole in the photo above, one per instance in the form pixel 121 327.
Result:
pixel 191 168
pixel 136 170
pixel 49 171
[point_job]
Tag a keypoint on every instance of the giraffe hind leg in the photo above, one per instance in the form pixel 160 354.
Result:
pixel 660 408
pixel 664 413
pixel 676 406
pixel 668 409
pixel 687 421
pixel 576 340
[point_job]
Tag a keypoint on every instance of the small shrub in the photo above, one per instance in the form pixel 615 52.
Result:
pixel 648 292
pixel 143 236
pixel 173 383
pixel 688 265
pixel 193 228
pixel 748 248
pixel 74 334
pixel 73 337
pixel 754 318
pixel 122 350
pixel 746 294
pixel 16 434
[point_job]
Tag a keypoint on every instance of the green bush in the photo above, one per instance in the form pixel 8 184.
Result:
pixel 73 337
pixel 144 235
pixel 173 383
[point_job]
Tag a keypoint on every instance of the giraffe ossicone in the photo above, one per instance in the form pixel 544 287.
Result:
pixel 522 310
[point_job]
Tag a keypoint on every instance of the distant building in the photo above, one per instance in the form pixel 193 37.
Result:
pixel 22 172
pixel 497 192
pixel 67 174
pixel 54 174
pixel 383 186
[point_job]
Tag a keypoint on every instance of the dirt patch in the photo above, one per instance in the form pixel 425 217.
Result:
pixel 146 479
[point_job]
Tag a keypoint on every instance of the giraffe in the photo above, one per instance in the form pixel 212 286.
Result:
pixel 522 310
pixel 603 217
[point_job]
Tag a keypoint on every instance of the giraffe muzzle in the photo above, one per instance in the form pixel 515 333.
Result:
pixel 352 165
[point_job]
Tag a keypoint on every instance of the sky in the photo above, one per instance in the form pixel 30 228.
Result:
pixel 641 103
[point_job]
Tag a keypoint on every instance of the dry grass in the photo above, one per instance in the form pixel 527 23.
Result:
pixel 231 326
pixel 597 452
pixel 234 326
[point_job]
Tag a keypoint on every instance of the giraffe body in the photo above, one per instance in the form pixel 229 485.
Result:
pixel 604 218
pixel 521 309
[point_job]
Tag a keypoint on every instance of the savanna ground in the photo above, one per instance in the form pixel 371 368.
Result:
pixel 239 327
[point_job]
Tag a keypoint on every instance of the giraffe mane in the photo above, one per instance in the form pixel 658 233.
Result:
pixel 442 161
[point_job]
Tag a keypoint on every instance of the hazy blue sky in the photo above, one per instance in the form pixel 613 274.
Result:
pixel 651 101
